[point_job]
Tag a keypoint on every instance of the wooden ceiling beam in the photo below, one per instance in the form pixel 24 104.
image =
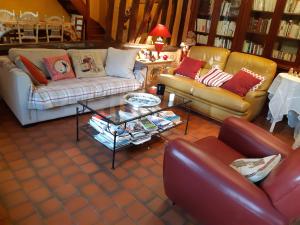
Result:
pixel 109 18
pixel 164 12
pixel 133 19
pixel 121 20
pixel 157 14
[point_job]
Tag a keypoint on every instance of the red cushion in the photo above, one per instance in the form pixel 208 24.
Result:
pixel 189 67
pixel 36 75
pixel 242 82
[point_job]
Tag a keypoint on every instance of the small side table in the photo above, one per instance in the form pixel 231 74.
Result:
pixel 284 95
pixel 154 69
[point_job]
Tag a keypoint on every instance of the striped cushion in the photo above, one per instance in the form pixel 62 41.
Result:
pixel 214 78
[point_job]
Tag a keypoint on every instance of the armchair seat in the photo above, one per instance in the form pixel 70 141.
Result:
pixel 198 177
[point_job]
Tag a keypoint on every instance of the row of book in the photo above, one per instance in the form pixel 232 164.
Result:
pixel 287 56
pixel 222 42
pixel 135 132
pixel 292 6
pixel 252 48
pixel 264 5
pixel 230 8
pixel 289 29
pixel 260 25
pixel 203 25
pixel 202 39
pixel 226 28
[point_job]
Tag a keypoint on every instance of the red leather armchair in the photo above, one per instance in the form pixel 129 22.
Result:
pixel 198 178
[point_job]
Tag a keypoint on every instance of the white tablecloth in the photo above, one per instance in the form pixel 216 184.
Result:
pixel 284 95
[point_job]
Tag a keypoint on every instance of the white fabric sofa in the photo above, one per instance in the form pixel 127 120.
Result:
pixel 32 104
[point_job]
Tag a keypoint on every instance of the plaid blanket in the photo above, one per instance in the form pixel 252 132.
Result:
pixel 69 91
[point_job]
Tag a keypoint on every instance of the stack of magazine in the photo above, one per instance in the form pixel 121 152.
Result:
pixel 136 131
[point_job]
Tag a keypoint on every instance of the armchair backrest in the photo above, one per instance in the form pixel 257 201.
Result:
pixel 211 55
pixel 283 186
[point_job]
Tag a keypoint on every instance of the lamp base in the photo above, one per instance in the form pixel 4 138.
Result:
pixel 158 47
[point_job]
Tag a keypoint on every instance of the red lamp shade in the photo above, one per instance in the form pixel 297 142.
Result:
pixel 160 31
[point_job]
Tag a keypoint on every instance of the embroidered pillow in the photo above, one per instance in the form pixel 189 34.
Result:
pixel 189 67
pixel 243 81
pixel 256 169
pixel 59 67
pixel 88 62
pixel 36 75
pixel 214 78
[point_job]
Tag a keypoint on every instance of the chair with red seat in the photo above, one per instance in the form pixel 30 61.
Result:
pixel 198 178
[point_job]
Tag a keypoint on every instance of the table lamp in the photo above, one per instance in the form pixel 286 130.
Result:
pixel 160 31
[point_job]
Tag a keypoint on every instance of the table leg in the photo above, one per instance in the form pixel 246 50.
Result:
pixel 114 151
pixel 272 127
pixel 187 120
pixel 77 124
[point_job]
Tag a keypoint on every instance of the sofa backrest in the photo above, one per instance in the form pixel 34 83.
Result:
pixel 211 55
pixel 102 53
pixel 35 55
pixel 261 66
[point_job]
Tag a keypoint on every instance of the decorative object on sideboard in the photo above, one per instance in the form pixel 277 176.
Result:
pixel 160 31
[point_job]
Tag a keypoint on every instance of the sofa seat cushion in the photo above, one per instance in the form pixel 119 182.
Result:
pixel 221 97
pixel 178 82
pixel 217 149
pixel 66 92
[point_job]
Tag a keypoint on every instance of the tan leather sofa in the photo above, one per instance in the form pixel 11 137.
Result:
pixel 216 102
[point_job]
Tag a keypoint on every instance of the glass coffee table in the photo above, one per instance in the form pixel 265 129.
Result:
pixel 122 126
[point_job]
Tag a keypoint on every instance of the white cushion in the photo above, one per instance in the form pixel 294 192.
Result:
pixel 214 77
pixel 120 63
pixel 88 62
pixel 35 55
pixel 256 169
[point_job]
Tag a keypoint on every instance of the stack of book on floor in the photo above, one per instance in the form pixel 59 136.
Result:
pixel 135 132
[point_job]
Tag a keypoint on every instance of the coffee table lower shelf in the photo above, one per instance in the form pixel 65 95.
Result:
pixel 91 132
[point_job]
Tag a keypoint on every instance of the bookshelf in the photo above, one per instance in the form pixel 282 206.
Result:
pixel 287 42
pixel 227 24
pixel 268 28
pixel 203 21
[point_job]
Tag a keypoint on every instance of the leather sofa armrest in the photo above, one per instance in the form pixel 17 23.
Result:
pixel 251 140
pixel 169 70
pixel 255 94
pixel 198 182
pixel 283 186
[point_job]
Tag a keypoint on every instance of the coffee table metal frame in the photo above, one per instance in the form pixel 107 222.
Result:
pixel 90 131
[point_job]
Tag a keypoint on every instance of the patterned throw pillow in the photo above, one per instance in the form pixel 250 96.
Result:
pixel 59 67
pixel 256 169
pixel 88 62
pixel 243 81
pixel 214 78
pixel 36 75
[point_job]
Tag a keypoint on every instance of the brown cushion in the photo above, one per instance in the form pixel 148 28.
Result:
pixel 221 97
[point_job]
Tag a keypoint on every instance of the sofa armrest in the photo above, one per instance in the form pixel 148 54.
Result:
pixel 205 187
pixel 251 140
pixel 283 186
pixel 15 89
pixel 255 94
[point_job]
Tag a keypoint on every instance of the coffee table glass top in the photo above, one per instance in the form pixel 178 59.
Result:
pixel 124 112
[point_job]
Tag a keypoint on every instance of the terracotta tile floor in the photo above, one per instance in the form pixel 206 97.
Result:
pixel 47 178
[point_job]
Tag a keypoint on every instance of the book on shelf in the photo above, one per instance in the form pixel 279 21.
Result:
pixel 226 28
pixel 222 42
pixel 286 50
pixel 264 5
pixel 203 25
pixel 202 39
pixel 260 25
pixel 289 29
pixel 292 6
pixel 230 8
pixel 252 48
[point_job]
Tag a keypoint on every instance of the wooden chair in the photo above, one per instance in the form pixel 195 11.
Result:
pixel 55 28
pixel 8 16
pixel 28 26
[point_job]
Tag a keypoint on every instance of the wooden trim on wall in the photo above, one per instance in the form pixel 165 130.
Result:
pixel 109 18
pixel 133 19
pixel 182 21
pixel 121 21
pixel 157 14
pixel 164 12
pixel 173 15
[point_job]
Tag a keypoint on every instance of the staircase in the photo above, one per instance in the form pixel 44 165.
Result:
pixel 94 31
